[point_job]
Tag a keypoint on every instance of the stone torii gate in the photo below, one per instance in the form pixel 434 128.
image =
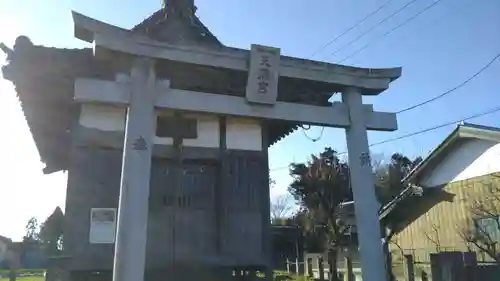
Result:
pixel 143 94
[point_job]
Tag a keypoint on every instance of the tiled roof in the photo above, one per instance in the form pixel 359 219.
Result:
pixel 157 26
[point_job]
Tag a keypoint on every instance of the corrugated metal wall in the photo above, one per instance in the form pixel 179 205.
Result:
pixel 438 228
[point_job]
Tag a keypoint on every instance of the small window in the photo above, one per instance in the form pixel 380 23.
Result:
pixel 186 127
pixel 489 226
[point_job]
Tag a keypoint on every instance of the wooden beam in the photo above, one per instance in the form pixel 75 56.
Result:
pixel 106 37
pixel 100 91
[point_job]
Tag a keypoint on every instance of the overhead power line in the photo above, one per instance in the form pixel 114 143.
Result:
pixel 452 89
pixel 424 102
pixel 375 26
pixel 414 106
pixel 391 30
pixel 311 138
pixel 490 111
pixel 410 36
pixel 483 113
pixel 351 28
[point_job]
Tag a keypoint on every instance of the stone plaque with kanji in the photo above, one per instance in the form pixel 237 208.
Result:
pixel 262 84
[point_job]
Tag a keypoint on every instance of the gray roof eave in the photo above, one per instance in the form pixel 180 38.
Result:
pixel 463 130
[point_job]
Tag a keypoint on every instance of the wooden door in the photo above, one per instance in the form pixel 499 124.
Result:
pixel 194 230
pixel 181 226
pixel 160 220
pixel 244 196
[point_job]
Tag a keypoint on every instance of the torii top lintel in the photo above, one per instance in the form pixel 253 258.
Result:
pixel 106 37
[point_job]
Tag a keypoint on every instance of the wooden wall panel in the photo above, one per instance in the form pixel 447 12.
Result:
pixel 246 177
pixel 185 232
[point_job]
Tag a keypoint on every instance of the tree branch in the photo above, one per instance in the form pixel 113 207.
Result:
pixel 434 240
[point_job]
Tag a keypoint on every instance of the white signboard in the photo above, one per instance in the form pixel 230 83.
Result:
pixel 263 75
pixel 102 226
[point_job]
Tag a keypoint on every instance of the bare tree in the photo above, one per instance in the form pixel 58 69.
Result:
pixel 484 231
pixel 282 207
pixel 433 237
pixel 272 182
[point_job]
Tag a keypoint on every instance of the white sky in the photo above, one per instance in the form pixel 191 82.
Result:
pixel 24 190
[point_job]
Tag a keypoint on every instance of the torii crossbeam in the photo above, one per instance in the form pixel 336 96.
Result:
pixel 143 94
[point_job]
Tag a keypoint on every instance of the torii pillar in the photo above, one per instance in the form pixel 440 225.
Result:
pixel 142 93
pixel 131 235
pixel 363 188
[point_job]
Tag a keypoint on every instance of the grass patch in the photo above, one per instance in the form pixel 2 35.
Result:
pixel 26 278
pixel 24 270
pixel 34 274
pixel 278 276
pixel 284 276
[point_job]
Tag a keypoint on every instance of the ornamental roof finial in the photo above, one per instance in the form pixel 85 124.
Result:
pixel 179 6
